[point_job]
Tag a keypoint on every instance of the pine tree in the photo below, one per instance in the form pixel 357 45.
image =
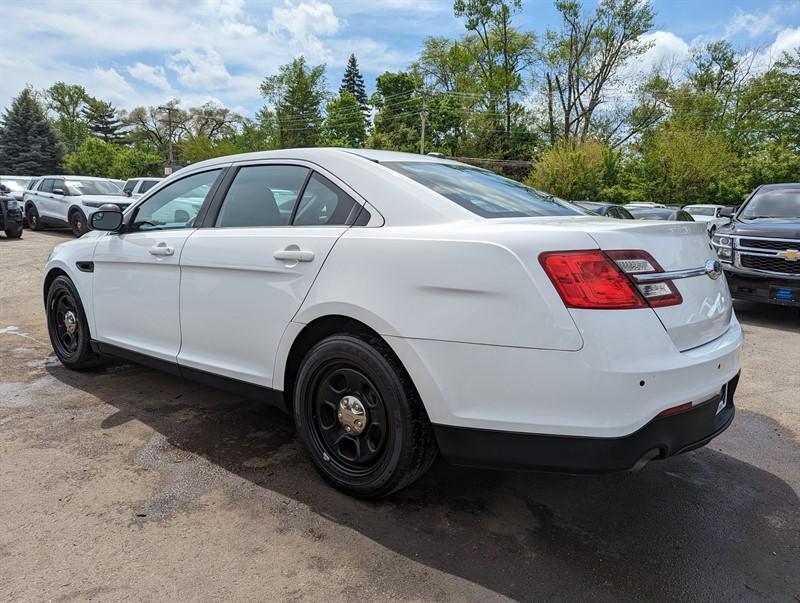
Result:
pixel 28 143
pixel 353 83
pixel 101 118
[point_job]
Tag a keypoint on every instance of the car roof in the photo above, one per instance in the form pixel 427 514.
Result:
pixel 75 177
pixel 779 185
pixel 315 153
pixel 702 205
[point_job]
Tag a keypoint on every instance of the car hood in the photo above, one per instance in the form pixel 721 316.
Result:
pixel 770 228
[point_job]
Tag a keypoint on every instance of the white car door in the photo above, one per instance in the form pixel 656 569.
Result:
pixel 59 200
pixel 42 198
pixel 137 272
pixel 245 278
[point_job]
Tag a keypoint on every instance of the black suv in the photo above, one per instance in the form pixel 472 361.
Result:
pixel 760 248
pixel 10 214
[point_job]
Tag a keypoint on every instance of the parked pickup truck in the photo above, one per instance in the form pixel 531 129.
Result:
pixel 760 248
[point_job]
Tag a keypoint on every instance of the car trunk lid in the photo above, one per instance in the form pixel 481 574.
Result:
pixel 705 312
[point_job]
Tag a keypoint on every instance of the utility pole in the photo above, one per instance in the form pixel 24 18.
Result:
pixel 169 111
pixel 422 119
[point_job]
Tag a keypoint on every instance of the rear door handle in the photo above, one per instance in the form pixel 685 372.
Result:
pixel 292 254
pixel 162 249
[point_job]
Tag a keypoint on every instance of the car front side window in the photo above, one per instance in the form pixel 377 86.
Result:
pixel 176 205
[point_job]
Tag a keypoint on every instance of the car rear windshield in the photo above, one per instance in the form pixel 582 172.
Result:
pixel 700 211
pixel 92 187
pixel 483 192
pixel 776 203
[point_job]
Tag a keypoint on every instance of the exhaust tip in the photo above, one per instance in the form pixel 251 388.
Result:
pixel 644 459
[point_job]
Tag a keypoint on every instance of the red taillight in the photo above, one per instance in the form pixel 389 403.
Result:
pixel 590 279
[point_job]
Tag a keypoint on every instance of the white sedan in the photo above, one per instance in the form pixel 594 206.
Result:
pixel 400 305
pixel 710 215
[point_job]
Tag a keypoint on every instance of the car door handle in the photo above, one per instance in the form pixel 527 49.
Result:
pixel 292 254
pixel 162 249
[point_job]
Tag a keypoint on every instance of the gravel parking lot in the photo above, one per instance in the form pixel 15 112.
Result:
pixel 126 483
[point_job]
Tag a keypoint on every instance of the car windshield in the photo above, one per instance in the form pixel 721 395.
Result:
pixel 774 203
pixel 700 211
pixel 15 184
pixel 483 192
pixel 92 187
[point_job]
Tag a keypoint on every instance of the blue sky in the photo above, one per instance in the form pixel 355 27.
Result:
pixel 147 52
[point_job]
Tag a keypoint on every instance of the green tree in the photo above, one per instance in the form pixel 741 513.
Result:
pixel 28 144
pixel 297 93
pixel 200 148
pixel 584 58
pixel 688 166
pixel 578 170
pixel 94 158
pixel 353 82
pixel 398 104
pixel 67 101
pixel 344 123
pixel 503 56
pixel 131 162
pixel 101 119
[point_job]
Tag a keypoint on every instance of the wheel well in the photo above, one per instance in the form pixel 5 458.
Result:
pixel 48 280
pixel 314 332
pixel 74 209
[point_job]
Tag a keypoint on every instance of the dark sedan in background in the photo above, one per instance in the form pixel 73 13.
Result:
pixel 610 210
pixel 660 213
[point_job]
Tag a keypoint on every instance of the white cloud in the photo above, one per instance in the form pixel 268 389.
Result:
pixel 306 24
pixel 200 68
pixel 752 24
pixel 667 53
pixel 151 74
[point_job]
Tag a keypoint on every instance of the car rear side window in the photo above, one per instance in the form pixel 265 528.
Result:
pixel 47 185
pixel 483 192
pixel 324 204
pixel 262 195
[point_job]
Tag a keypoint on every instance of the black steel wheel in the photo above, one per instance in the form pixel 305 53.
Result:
pixel 67 326
pixel 78 224
pixel 32 215
pixel 360 416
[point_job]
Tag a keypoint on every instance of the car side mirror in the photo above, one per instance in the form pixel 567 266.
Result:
pixel 109 219
pixel 58 191
pixel 727 212
pixel 128 193
pixel 4 188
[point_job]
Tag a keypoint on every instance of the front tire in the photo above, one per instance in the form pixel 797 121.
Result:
pixel 14 233
pixel 34 221
pixel 360 416
pixel 78 224
pixel 68 327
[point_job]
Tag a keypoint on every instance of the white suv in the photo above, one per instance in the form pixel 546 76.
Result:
pixel 710 214
pixel 136 187
pixel 69 201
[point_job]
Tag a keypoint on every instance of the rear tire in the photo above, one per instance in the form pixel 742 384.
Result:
pixel 32 214
pixel 358 376
pixel 68 327
pixel 77 222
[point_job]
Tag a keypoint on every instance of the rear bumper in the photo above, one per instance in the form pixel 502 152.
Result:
pixel 760 287
pixel 660 438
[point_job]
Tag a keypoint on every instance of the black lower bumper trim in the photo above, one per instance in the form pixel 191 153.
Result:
pixel 660 438
pixel 767 288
